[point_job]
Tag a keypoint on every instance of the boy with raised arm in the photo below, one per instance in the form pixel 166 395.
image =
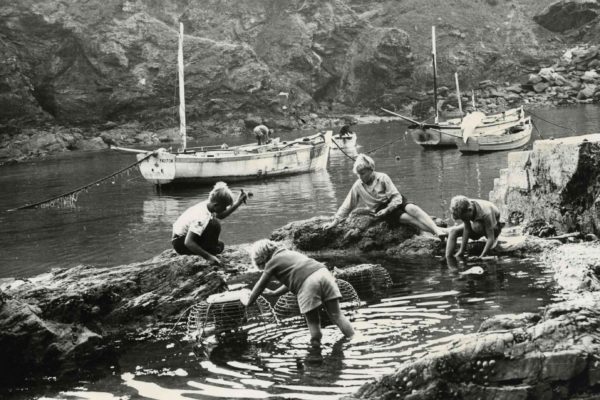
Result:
pixel 197 230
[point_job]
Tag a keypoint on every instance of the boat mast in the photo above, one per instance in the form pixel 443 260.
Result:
pixel 434 62
pixel 458 94
pixel 181 90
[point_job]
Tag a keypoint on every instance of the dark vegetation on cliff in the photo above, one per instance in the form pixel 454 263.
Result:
pixel 102 64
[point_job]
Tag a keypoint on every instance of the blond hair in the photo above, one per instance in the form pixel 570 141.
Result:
pixel 221 194
pixel 459 205
pixel 363 161
pixel 262 250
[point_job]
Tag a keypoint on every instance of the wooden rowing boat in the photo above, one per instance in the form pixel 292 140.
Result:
pixel 505 139
pixel 205 165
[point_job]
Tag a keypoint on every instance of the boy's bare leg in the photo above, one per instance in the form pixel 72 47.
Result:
pixel 454 233
pixel 313 321
pixel 416 216
pixel 338 317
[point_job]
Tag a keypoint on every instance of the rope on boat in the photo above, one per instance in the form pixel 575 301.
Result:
pixel 385 145
pixel 342 150
pixel 69 198
pixel 370 151
pixel 536 129
pixel 551 123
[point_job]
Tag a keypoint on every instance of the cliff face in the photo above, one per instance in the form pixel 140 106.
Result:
pixel 65 63
pixel 556 182
pixel 116 61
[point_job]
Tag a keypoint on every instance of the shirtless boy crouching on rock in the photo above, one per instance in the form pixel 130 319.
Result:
pixel 479 218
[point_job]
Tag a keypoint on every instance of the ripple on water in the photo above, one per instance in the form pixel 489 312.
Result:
pixel 418 317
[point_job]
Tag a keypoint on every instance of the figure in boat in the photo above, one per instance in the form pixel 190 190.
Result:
pixel 345 132
pixel 263 134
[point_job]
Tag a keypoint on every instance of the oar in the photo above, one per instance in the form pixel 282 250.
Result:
pixel 419 123
pixel 412 121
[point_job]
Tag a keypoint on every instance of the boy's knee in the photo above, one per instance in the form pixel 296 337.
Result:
pixel 454 232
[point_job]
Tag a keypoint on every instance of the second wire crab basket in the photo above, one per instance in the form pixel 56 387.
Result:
pixel 369 280
pixel 287 305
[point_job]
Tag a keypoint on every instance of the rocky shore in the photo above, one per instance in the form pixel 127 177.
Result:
pixel 76 79
pixel 71 323
pixel 552 354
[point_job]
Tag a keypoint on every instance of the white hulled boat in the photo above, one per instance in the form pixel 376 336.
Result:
pixel 214 163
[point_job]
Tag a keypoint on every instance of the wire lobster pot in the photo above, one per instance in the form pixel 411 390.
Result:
pixel 224 316
pixel 287 307
pixel 369 280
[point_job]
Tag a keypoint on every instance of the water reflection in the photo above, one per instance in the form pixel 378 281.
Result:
pixel 430 303
pixel 307 195
pixel 128 221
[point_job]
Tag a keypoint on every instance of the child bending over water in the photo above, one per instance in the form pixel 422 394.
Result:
pixel 479 218
pixel 308 279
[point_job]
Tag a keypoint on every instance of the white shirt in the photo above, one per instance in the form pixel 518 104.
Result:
pixel 194 219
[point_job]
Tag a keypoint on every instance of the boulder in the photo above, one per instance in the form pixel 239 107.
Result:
pixel 359 232
pixel 587 92
pixel 557 181
pixel 568 14
pixel 590 76
pixel 540 87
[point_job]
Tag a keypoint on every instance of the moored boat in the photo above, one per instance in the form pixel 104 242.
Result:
pixel 507 138
pixel 445 133
pixel 203 165
pixel 344 141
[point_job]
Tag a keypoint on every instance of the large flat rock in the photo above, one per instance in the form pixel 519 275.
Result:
pixel 557 181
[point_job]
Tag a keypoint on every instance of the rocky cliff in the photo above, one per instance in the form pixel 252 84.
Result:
pixel 99 65
pixel 556 182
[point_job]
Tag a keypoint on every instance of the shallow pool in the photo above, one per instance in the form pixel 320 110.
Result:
pixel 429 305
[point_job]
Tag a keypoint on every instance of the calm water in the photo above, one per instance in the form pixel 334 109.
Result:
pixel 127 221
pixel 428 305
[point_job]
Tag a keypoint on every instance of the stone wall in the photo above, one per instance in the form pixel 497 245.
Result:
pixel 557 181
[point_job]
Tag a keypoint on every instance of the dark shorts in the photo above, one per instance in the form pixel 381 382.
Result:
pixel 209 240
pixel 497 230
pixel 393 217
